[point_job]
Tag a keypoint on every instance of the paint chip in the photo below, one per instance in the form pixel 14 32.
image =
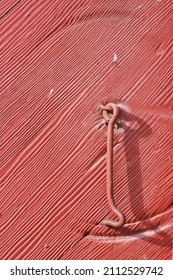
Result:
pixel 115 58
pixel 51 92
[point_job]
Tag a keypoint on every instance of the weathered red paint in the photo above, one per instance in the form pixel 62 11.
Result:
pixel 57 68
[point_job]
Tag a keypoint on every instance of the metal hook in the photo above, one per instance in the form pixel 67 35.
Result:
pixel 111 107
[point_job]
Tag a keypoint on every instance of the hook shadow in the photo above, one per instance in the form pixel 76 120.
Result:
pixel 132 138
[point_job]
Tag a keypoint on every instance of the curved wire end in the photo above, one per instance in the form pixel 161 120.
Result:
pixel 113 223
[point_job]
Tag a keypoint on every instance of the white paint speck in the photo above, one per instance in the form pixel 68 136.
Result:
pixel 115 58
pixel 51 92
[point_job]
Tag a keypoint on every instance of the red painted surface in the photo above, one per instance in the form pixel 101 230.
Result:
pixel 57 68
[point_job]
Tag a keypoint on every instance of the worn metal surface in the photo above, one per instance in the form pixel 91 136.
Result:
pixel 58 65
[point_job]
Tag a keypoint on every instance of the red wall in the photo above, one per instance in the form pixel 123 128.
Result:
pixel 57 68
